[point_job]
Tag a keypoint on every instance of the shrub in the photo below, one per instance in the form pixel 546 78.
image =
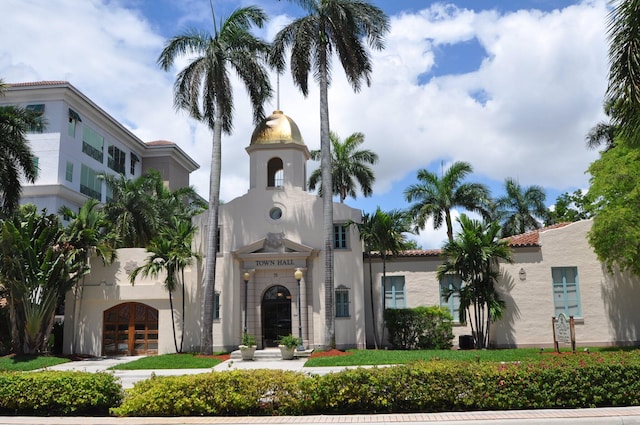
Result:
pixel 233 393
pixel 419 328
pixel 47 393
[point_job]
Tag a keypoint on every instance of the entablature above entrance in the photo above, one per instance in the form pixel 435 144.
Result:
pixel 275 251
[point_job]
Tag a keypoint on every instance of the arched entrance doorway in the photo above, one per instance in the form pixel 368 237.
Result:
pixel 276 315
pixel 130 329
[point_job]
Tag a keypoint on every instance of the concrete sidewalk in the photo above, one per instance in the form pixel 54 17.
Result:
pixel 599 416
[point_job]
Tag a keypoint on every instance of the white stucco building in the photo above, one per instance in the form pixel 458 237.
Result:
pixel 79 140
pixel 274 230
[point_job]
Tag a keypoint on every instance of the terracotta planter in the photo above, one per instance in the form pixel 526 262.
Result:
pixel 286 352
pixel 247 352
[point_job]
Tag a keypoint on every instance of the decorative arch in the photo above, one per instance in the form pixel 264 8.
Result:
pixel 276 315
pixel 275 173
pixel 130 329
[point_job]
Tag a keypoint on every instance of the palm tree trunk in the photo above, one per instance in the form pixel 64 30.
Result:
pixel 212 237
pixel 13 318
pixel 384 295
pixel 173 321
pixel 373 308
pixel 327 201
pixel 183 313
pixel 447 217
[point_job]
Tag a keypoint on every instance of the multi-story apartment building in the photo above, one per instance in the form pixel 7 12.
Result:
pixel 77 141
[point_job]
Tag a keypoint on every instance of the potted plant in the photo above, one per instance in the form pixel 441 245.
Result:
pixel 248 346
pixel 288 345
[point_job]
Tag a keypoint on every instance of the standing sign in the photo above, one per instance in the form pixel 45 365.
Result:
pixel 563 331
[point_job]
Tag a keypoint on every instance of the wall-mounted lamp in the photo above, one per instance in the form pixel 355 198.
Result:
pixel 522 274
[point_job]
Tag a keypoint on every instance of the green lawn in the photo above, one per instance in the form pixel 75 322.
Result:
pixel 24 363
pixel 384 357
pixel 170 361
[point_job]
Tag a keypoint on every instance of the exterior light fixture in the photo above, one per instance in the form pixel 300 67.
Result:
pixel 298 277
pixel 522 274
pixel 246 277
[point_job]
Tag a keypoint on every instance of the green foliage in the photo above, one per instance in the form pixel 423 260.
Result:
pixel 615 185
pixel 570 207
pixel 565 381
pixel 37 267
pixel 419 328
pixel 56 393
pixel 233 393
pixel 289 341
pixel 248 340
pixel 521 209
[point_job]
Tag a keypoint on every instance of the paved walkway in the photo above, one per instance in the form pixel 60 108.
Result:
pixel 600 416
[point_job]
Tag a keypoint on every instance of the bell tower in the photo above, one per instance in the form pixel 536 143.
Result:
pixel 278 155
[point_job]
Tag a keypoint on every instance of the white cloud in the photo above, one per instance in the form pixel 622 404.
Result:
pixel 545 76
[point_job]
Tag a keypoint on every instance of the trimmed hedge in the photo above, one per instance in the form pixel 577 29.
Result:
pixel 574 381
pixel 418 328
pixel 58 393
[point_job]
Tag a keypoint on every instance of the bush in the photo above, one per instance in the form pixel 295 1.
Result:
pixel 419 328
pixel 58 393
pixel 575 381
pixel 233 393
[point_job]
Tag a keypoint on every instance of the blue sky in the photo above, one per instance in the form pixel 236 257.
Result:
pixel 510 86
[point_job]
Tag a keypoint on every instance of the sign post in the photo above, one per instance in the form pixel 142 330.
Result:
pixel 563 331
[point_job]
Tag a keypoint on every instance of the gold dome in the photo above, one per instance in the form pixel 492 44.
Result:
pixel 276 128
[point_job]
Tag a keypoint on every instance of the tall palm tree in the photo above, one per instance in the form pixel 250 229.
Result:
pixel 89 233
pixel 385 234
pixel 474 255
pixel 344 27
pixel 521 209
pixel 170 253
pixel 204 89
pixel 624 71
pixel 133 212
pixel 347 163
pixel 435 196
pixel 16 158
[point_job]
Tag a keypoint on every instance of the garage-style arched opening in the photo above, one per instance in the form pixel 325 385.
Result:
pixel 130 329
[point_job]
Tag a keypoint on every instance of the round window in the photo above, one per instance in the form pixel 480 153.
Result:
pixel 275 213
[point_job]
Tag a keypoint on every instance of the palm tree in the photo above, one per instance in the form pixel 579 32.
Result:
pixel 603 133
pixel 343 27
pixel 16 158
pixel 347 164
pixel 624 59
pixel 204 89
pixel 521 209
pixel 133 212
pixel 88 232
pixel 474 255
pixel 171 253
pixel 435 197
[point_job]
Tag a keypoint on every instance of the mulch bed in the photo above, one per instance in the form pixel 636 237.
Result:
pixel 329 353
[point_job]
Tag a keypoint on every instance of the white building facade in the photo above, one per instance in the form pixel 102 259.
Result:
pixel 273 234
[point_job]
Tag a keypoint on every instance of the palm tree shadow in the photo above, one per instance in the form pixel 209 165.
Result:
pixel 503 331
pixel 620 292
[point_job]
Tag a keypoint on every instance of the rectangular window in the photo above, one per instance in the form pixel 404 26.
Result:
pixel 340 232
pixel 74 119
pixel 38 112
pixel 394 292
pixel 218 241
pixel 36 163
pixel 342 302
pixel 69 172
pixel 450 296
pixel 92 144
pixel 132 165
pixel 216 306
pixel 90 185
pixel 566 292
pixel 116 159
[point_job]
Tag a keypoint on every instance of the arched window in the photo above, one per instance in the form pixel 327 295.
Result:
pixel 275 171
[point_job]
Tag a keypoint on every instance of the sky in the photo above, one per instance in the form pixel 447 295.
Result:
pixel 510 86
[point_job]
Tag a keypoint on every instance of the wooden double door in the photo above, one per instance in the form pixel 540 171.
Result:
pixel 130 329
